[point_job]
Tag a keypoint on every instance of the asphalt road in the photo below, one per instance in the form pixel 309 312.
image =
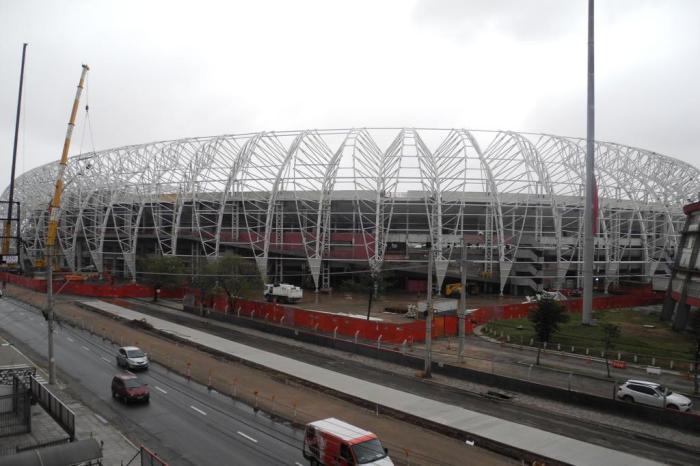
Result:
pixel 582 429
pixel 184 422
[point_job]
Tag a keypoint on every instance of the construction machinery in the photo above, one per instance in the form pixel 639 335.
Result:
pixel 54 214
pixel 452 290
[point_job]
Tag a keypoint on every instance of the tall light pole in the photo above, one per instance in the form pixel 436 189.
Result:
pixel 588 214
pixel 8 222
pixel 462 300
pixel 427 369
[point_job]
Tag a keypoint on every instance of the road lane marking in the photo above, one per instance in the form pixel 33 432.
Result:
pixel 85 348
pixel 160 390
pixel 247 436
pixel 70 339
pixel 102 420
pixel 200 411
pixel 298 463
pixel 106 360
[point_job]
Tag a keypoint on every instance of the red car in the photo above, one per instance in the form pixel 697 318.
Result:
pixel 130 388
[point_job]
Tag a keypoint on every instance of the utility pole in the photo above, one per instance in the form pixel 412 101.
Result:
pixel 588 245
pixel 462 302
pixel 54 214
pixel 8 222
pixel 427 370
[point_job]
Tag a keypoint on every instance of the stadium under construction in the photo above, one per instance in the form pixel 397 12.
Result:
pixel 310 206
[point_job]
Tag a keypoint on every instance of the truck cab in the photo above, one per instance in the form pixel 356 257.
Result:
pixel 332 442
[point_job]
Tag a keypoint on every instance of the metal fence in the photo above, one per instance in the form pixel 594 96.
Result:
pixel 55 407
pixel 15 410
pixel 147 457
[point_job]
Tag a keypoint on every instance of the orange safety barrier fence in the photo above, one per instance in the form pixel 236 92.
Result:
pixel 328 322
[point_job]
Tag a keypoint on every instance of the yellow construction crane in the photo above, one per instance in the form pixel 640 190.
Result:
pixel 54 214
pixel 55 207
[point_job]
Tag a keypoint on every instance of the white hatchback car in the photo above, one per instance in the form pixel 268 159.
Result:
pixel 131 357
pixel 653 394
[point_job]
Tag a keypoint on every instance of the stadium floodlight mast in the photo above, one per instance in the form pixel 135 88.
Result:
pixel 589 215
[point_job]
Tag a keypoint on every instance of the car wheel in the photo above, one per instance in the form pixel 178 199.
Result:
pixel 628 398
pixel 314 462
pixel 114 394
pixel 674 407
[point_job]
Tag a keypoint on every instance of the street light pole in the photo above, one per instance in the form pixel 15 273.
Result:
pixel 462 302
pixel 588 214
pixel 54 214
pixel 427 370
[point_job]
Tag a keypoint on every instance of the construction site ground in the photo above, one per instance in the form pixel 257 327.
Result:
pixel 356 303
pixel 586 424
pixel 278 396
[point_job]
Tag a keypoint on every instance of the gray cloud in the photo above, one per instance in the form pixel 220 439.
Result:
pixel 166 70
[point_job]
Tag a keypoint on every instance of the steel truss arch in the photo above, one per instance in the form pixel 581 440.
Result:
pixel 342 196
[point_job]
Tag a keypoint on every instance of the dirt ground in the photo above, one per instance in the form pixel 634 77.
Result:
pixel 271 392
pixel 355 303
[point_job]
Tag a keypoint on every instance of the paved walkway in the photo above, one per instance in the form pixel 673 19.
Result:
pixel 542 443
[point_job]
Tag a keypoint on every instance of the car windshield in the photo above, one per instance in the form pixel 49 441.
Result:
pixel 133 383
pixel 135 353
pixel 368 451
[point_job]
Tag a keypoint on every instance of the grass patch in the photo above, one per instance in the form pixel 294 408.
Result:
pixel 635 339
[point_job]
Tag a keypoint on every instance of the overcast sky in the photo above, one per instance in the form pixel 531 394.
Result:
pixel 170 69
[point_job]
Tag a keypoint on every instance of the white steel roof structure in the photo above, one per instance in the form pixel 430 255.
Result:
pixel 510 197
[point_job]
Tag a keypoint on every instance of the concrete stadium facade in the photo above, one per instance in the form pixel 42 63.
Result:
pixel 317 203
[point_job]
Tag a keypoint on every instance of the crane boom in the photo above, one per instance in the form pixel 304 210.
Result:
pixel 54 214
pixel 55 207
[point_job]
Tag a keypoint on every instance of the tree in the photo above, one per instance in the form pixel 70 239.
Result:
pixel 695 328
pixel 233 274
pixel 361 282
pixel 546 318
pixel 611 333
pixel 159 271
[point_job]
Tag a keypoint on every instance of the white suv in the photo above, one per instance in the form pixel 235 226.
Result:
pixel 653 394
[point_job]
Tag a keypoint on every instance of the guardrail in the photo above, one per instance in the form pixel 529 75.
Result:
pixel 55 407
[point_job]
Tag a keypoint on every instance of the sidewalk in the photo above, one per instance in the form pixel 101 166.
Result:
pixel 478 427
pixel 557 368
pixel 272 393
pixel 116 449
pixel 525 402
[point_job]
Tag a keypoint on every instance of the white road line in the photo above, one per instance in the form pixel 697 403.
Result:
pixel 70 339
pixel 247 436
pixel 200 411
pixel 298 463
pixel 102 420
pixel 106 360
pixel 160 390
pixel 85 348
